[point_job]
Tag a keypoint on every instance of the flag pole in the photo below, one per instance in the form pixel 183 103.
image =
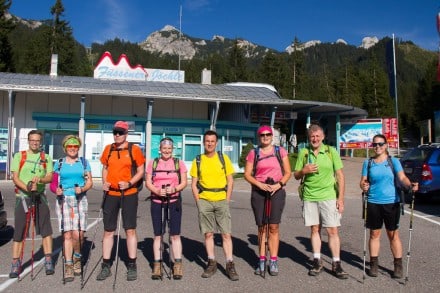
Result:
pixel 395 98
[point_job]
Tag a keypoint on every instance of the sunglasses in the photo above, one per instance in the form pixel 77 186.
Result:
pixel 381 144
pixel 72 146
pixel 266 134
pixel 118 132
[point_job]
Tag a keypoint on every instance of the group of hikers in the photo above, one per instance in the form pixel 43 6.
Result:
pixel 318 167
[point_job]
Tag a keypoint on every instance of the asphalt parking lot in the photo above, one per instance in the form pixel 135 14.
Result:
pixel 294 252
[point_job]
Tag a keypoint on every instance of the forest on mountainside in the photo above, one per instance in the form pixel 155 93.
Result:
pixel 336 73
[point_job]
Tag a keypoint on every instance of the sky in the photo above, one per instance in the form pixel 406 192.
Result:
pixel 270 23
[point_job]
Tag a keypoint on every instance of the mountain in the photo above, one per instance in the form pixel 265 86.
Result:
pixel 169 41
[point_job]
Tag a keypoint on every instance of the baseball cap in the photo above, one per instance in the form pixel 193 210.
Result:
pixel 121 126
pixel 264 128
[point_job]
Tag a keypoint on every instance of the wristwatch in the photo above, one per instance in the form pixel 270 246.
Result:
pixel 129 184
pixel 282 184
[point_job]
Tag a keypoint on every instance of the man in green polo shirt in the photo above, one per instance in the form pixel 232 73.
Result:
pixel 31 170
pixel 320 167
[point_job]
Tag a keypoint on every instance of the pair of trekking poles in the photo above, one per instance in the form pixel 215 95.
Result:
pixel 31 220
pixel 165 222
pixel 118 237
pixel 266 222
pixel 61 201
pixel 411 219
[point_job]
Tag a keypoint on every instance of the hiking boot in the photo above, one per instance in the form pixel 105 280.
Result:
pixel 338 271
pixel 15 269
pixel 104 273
pixel 273 267
pixel 210 269
pixel 48 265
pixel 68 273
pixel 157 270
pixel 316 267
pixel 398 268
pixel 77 266
pixel 374 266
pixel 177 270
pixel 261 267
pixel 230 271
pixel 131 272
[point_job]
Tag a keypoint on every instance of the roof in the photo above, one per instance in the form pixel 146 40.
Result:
pixel 165 90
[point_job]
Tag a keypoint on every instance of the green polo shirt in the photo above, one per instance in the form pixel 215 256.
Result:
pixel 320 186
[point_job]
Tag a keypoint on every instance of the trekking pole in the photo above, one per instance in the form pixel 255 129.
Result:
pixel 167 223
pixel 266 218
pixel 33 218
pixel 162 244
pixel 364 216
pixel 78 201
pixel 84 271
pixel 25 232
pixel 410 234
pixel 118 237
pixel 61 204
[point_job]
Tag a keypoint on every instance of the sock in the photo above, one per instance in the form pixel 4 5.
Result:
pixel 106 261
pixel 48 256
pixel 211 257
pixel 274 258
pixel 229 260
pixel 263 257
pixel 317 255
pixel 69 262
pixel 77 255
pixel 178 260
pixel 132 260
pixel 335 259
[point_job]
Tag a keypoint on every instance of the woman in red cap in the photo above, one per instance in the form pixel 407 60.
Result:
pixel 267 170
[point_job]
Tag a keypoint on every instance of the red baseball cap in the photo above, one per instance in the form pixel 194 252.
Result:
pixel 264 128
pixel 121 126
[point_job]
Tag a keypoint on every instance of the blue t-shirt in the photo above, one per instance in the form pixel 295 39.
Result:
pixel 382 185
pixel 71 174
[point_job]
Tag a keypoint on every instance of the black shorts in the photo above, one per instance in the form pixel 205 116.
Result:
pixel 129 211
pixel 42 223
pixel 377 214
pixel 277 202
pixel 159 210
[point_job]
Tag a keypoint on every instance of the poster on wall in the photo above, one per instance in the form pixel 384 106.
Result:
pixel 359 135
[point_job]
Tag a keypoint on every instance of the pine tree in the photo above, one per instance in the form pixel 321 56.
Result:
pixel 6 26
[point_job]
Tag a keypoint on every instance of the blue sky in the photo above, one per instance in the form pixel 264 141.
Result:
pixel 271 23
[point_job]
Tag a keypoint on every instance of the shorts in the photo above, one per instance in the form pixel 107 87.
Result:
pixel 174 212
pixel 214 214
pixel 111 211
pixel 377 214
pixel 322 213
pixel 42 222
pixel 71 208
pixel 277 203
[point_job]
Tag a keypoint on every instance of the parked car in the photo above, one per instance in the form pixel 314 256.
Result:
pixel 3 216
pixel 422 164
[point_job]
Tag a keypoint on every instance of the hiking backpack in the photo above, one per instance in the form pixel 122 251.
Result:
pixel 176 169
pixel 257 158
pixel 140 183
pixel 199 186
pixel 23 159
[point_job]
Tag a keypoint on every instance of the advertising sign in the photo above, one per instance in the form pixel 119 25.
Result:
pixel 359 135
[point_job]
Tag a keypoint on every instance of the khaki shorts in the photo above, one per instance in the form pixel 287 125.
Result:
pixel 321 212
pixel 214 214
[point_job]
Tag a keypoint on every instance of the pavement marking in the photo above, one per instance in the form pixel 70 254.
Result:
pixel 423 217
pixel 9 282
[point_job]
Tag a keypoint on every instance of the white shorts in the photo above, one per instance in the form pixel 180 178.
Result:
pixel 70 211
pixel 321 212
